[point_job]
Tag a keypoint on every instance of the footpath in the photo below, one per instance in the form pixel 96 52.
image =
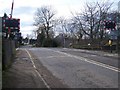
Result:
pixel 28 72
pixel 21 74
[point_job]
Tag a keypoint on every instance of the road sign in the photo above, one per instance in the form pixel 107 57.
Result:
pixel 110 25
pixel 11 23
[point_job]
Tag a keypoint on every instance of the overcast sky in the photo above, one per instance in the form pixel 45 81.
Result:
pixel 25 10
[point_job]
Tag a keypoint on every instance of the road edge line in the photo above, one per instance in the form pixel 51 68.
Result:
pixel 37 70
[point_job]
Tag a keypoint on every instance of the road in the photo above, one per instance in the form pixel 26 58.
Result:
pixel 79 68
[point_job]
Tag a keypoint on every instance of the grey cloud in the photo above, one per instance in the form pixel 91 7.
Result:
pixel 27 10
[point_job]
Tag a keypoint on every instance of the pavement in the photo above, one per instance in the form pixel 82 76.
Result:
pixel 29 73
pixel 21 74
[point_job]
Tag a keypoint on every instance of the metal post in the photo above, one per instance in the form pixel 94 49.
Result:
pixel 64 40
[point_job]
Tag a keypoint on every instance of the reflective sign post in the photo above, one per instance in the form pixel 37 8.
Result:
pixel 110 43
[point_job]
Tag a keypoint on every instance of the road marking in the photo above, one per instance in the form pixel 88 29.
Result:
pixel 52 57
pixel 93 55
pixel 37 70
pixel 91 61
pixel 110 54
pixel 17 49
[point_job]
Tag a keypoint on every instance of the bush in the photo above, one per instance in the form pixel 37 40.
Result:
pixel 50 43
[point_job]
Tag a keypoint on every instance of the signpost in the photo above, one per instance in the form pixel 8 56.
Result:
pixel 110 43
pixel 10 26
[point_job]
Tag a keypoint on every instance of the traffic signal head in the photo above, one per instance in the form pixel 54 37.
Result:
pixel 13 24
pixel 110 25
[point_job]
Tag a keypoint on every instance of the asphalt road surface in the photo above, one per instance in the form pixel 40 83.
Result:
pixel 80 68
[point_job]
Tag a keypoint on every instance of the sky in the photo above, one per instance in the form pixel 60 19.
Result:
pixel 25 10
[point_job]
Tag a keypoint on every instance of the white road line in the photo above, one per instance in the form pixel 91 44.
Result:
pixel 91 61
pixel 110 54
pixel 37 70
pixel 17 49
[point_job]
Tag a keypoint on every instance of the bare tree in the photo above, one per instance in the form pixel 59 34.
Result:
pixel 89 21
pixel 76 27
pixel 102 12
pixel 44 19
pixel 63 25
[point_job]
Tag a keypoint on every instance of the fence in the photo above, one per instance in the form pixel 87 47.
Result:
pixel 8 52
